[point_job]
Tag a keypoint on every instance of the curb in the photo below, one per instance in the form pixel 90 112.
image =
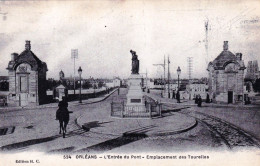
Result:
pixel 176 132
pixel 151 135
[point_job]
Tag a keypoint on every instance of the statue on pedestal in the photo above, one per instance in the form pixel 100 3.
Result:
pixel 135 63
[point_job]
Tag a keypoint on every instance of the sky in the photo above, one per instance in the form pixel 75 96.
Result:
pixel 104 32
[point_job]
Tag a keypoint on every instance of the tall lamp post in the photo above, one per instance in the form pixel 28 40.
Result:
pixel 80 72
pixel 178 72
pixel 94 88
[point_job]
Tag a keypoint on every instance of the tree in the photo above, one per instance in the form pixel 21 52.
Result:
pixel 86 85
pixel 256 85
pixel 51 84
pixel 100 84
pixel 4 86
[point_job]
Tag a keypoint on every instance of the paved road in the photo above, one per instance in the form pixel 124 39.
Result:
pixel 38 130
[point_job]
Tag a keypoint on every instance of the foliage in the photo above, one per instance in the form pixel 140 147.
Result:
pixel 4 86
pixel 256 85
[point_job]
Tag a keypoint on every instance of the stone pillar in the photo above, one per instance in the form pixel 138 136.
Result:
pixel 135 97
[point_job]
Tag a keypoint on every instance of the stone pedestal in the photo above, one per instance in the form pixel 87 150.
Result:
pixel 135 97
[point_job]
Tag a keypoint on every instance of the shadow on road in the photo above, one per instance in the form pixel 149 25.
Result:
pixel 126 138
pixel 174 110
pixel 75 133
pixel 63 150
pixel 22 145
pixel 25 144
pixel 94 124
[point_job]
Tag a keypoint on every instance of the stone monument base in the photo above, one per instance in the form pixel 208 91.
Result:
pixel 135 98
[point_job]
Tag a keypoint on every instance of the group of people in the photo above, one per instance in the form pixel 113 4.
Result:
pixel 198 99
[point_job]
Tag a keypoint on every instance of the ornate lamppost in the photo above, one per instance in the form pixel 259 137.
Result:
pixel 80 72
pixel 178 92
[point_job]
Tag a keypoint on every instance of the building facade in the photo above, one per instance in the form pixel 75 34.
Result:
pixel 197 88
pixel 27 79
pixel 116 82
pixel 252 72
pixel 226 77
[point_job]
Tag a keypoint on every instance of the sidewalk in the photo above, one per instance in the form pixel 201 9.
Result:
pixel 170 100
pixel 192 102
pixel 71 103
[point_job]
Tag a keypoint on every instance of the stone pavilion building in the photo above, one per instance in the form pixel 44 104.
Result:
pixel 226 77
pixel 27 79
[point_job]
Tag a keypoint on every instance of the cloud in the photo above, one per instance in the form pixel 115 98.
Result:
pixel 104 32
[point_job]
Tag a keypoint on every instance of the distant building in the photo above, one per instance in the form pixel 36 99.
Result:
pixel 160 84
pixel 197 88
pixel 116 82
pixel 27 79
pixel 172 86
pixel 226 82
pixel 252 72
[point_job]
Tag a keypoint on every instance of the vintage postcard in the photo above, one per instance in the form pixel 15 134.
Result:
pixel 129 82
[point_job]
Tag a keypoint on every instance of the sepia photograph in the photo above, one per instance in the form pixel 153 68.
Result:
pixel 133 82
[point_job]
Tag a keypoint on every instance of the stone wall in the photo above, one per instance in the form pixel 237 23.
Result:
pixel 228 82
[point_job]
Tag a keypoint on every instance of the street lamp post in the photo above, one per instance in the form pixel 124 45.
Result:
pixel 178 72
pixel 94 89
pixel 80 72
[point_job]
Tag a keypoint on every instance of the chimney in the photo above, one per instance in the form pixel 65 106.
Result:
pixel 225 46
pixel 14 56
pixel 239 56
pixel 27 45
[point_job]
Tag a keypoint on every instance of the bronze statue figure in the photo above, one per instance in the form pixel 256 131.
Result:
pixel 135 63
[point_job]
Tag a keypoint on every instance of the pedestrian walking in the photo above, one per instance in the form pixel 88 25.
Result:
pixel 199 101
pixel 4 101
pixel 196 99
pixel 178 97
pixel 207 100
pixel 173 94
